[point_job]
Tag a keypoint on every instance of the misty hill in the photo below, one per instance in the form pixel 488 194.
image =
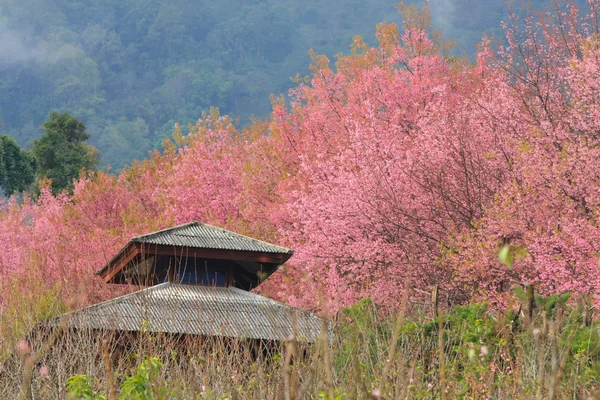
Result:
pixel 130 68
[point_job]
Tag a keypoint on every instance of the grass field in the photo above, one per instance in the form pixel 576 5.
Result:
pixel 465 352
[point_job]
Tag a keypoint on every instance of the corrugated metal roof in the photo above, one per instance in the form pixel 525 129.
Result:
pixel 198 234
pixel 198 310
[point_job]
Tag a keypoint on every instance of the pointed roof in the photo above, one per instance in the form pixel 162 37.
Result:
pixel 198 310
pixel 206 240
pixel 204 236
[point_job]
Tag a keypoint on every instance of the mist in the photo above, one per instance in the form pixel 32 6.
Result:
pixel 16 47
pixel 441 14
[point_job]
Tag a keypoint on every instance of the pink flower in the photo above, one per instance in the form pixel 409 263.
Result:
pixel 23 347
pixel 44 371
pixel 484 350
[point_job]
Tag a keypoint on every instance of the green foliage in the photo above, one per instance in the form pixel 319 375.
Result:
pixel 478 326
pixel 157 61
pixel 17 166
pixel 586 340
pixel 142 384
pixel 549 304
pixel 552 303
pixel 361 323
pixel 337 395
pixel 504 257
pixel 62 152
pixel 113 61
pixel 80 387
pixel 481 346
pixel 123 140
pixel 486 356
pixel 363 314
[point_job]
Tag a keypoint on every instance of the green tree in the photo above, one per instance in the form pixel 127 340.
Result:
pixel 17 166
pixel 124 139
pixel 62 152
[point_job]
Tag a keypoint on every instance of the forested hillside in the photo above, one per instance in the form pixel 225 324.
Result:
pixel 129 69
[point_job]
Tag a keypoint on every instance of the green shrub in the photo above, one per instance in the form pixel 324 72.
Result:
pixel 80 387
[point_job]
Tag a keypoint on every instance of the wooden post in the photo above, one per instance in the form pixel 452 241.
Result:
pixel 442 358
pixel 587 311
pixel 110 380
pixel 434 302
pixel 530 291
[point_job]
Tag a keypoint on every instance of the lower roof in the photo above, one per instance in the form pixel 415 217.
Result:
pixel 198 310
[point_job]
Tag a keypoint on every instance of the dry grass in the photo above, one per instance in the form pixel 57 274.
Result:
pixel 554 354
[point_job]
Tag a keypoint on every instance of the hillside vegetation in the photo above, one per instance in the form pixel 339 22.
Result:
pixel 130 69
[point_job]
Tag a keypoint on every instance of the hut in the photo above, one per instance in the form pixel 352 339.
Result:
pixel 195 280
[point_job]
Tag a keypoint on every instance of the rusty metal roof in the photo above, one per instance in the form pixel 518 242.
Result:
pixel 198 234
pixel 198 310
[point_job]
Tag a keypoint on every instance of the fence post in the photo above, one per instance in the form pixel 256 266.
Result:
pixel 434 301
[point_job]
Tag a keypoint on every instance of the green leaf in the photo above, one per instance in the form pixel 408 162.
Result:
pixel 505 257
